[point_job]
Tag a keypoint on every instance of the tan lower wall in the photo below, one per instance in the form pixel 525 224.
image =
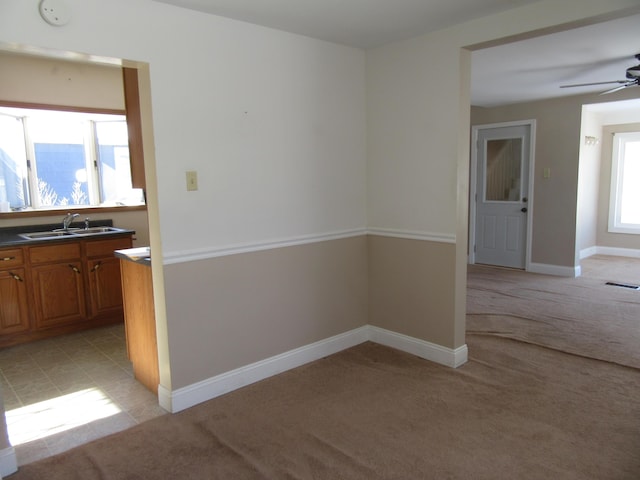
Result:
pixel 227 312
pixel 411 288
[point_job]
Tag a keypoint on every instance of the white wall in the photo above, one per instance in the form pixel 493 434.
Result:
pixel 31 79
pixel 588 182
pixel 274 125
pixel 412 104
pixel 415 92
pixel 273 122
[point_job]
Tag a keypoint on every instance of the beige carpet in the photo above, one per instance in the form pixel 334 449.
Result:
pixel 583 316
pixel 516 410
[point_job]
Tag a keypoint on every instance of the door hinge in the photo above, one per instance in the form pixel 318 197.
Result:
pixel 474 248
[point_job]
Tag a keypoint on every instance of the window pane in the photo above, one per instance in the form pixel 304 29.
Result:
pixel 630 202
pixel 59 149
pixel 113 164
pixel 503 170
pixel 13 162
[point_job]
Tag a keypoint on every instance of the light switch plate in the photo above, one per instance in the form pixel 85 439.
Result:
pixel 192 181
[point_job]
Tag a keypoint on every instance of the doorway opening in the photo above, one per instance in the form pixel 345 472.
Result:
pixel 63 391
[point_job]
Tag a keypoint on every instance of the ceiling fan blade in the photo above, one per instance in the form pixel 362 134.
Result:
pixel 594 83
pixel 615 89
pixel 627 84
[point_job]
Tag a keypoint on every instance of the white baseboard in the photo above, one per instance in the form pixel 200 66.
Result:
pixel 618 252
pixel 177 400
pixel 588 252
pixel 185 397
pixel 421 348
pixel 8 462
pixel 557 270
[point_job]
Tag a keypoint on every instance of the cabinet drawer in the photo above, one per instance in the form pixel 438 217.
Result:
pixel 102 248
pixel 11 257
pixel 53 253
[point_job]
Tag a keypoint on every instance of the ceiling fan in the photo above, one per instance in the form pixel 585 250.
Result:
pixel 633 79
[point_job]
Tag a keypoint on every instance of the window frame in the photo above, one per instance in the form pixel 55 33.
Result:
pixel 40 211
pixel 615 224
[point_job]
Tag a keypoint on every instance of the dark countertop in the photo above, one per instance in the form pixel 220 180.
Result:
pixel 141 255
pixel 10 236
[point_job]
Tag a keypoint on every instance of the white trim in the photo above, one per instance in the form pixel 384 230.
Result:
pixel 618 252
pixel 588 252
pixel 421 348
pixel 191 395
pixel 204 253
pixel 8 462
pixel 474 177
pixel 557 270
pixel 614 223
pixel 413 235
pixel 185 397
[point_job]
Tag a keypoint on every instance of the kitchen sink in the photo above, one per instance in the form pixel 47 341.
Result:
pixel 69 233
pixel 44 235
pixel 94 230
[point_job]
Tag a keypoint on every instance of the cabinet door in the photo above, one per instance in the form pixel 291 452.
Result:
pixel 14 308
pixel 105 286
pixel 58 293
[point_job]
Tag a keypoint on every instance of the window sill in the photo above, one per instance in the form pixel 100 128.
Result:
pixel 62 210
pixel 626 230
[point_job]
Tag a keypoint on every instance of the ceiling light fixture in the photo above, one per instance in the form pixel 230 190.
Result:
pixel 590 141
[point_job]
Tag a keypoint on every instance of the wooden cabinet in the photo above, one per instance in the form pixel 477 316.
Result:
pixel 14 306
pixel 134 125
pixel 105 288
pixel 59 287
pixel 140 323
pixel 58 284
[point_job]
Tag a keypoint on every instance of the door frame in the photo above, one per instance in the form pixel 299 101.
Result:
pixel 473 182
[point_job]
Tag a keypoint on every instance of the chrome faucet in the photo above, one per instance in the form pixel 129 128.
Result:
pixel 68 218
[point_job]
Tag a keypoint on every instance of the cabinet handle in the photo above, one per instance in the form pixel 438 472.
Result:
pixel 74 268
pixel 7 259
pixel 96 266
pixel 16 277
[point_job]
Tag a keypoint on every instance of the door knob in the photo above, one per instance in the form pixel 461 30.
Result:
pixel 523 209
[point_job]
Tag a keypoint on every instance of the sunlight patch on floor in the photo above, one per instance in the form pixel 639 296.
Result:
pixel 40 420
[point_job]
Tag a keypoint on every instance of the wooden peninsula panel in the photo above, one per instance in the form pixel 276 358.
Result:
pixel 140 321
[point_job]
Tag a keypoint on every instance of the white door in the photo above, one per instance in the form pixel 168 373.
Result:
pixel 502 197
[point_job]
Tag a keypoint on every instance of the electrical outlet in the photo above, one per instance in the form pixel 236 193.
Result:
pixel 192 181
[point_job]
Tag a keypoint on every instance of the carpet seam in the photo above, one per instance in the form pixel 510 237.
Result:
pixel 547 347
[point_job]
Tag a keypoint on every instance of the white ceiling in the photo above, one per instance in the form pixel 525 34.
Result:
pixel 521 71
pixel 534 69
pixel 358 23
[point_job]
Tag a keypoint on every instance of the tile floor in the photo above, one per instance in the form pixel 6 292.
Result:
pixel 62 392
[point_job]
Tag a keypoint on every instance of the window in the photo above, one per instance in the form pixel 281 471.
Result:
pixel 52 159
pixel 624 204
